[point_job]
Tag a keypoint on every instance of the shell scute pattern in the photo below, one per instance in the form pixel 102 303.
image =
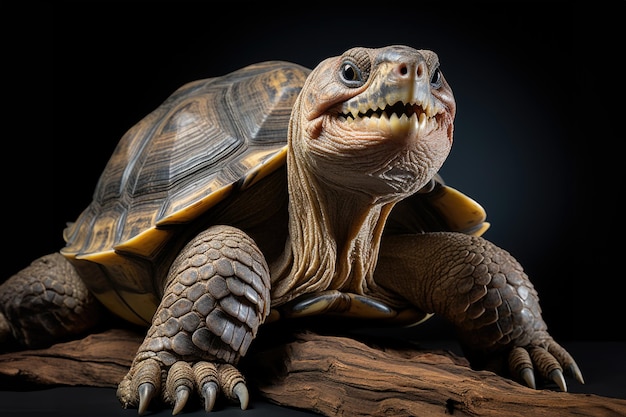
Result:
pixel 208 137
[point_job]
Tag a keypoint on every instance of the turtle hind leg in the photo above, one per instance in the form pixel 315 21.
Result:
pixel 216 296
pixel 44 303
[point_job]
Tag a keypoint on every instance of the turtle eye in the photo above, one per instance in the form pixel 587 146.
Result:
pixel 351 74
pixel 435 78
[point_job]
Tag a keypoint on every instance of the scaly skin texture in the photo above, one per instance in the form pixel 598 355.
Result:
pixel 46 302
pixel 369 128
pixel 484 292
pixel 216 296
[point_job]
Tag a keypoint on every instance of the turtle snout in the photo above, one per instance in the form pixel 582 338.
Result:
pixel 411 70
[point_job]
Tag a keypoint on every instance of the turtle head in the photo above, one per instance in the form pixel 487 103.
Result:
pixel 377 121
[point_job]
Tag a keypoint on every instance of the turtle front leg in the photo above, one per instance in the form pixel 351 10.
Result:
pixel 216 296
pixel 485 293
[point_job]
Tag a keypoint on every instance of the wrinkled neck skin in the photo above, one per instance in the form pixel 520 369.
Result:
pixel 334 237
pixel 338 210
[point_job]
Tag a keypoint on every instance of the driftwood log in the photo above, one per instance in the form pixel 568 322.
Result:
pixel 340 376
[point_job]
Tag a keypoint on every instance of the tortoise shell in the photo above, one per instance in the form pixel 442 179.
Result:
pixel 210 139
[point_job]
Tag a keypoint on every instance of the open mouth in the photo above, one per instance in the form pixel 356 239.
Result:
pixel 397 118
pixel 399 109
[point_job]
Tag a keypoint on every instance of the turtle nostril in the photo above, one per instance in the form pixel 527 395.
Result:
pixel 405 70
pixel 420 70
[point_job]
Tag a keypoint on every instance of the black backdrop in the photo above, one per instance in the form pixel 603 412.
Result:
pixel 536 137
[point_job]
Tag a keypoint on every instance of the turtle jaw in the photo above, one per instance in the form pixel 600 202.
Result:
pixel 395 112
pixel 397 120
pixel 384 145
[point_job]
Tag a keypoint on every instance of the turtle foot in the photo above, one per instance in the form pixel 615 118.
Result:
pixel 149 380
pixel 550 361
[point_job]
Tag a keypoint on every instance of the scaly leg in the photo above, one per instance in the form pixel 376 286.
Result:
pixel 485 293
pixel 44 303
pixel 216 297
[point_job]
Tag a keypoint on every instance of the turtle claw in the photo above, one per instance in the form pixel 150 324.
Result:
pixel 528 376
pixel 241 391
pixel 557 377
pixel 146 393
pixel 142 384
pixel 574 371
pixel 182 395
pixel 549 360
pixel 209 393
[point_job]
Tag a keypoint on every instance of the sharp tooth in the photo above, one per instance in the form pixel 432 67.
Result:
pixel 395 123
pixel 422 121
pixel 349 110
pixel 381 103
pixel 400 125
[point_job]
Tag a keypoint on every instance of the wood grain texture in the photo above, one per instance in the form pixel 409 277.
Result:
pixel 98 360
pixel 338 376
pixel 330 375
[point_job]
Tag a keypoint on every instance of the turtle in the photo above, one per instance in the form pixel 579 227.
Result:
pixel 278 192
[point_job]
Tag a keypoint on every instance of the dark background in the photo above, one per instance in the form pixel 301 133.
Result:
pixel 538 91
pixel 538 134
